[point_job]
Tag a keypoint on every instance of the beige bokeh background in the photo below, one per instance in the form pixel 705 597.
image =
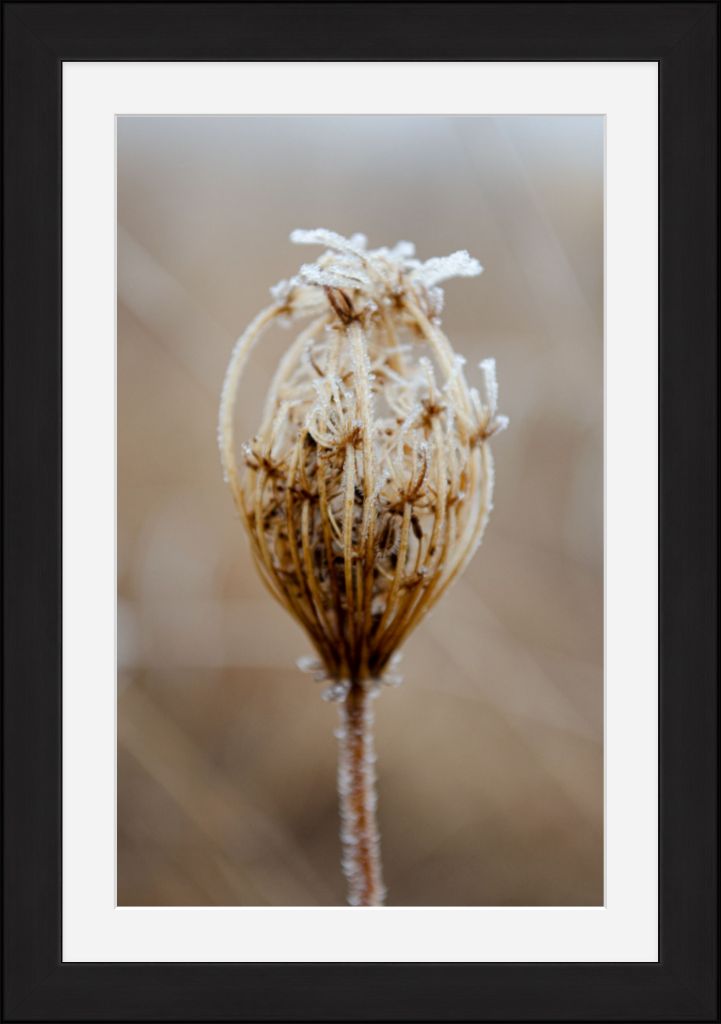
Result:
pixel 491 753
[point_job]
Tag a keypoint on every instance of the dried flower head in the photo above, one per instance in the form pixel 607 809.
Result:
pixel 368 485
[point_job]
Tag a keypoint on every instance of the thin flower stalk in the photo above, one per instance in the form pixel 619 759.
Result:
pixel 369 483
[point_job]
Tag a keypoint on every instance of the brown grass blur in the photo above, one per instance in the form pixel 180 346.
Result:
pixel 491 752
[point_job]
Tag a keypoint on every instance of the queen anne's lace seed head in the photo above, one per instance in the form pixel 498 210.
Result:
pixel 368 484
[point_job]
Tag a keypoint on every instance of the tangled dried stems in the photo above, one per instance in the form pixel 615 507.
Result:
pixel 367 488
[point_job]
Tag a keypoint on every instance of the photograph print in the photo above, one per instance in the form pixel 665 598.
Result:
pixel 360 519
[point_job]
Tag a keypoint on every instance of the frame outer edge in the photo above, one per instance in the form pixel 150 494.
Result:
pixel 38 986
pixel 31 508
pixel 688 476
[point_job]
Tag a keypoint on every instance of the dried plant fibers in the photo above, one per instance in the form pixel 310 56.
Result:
pixel 367 488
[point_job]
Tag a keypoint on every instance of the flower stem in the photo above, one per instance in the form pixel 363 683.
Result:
pixel 357 793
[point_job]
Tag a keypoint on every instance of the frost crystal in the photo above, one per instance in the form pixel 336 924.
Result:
pixel 310 664
pixel 356 790
pixel 494 423
pixel 321 236
pixel 337 691
pixel 440 268
pixel 281 291
pixel 490 382
pixel 336 277
pixel 347 263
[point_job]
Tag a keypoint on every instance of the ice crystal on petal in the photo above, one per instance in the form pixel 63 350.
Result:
pixel 440 268
pixel 490 383
pixel 331 239
pixel 436 298
pixel 281 291
pixel 403 251
pixel 311 273
pixel 499 423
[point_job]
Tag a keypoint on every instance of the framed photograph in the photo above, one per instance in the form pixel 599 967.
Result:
pixel 361 511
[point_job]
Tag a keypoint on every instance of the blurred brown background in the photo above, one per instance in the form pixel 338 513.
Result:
pixel 491 753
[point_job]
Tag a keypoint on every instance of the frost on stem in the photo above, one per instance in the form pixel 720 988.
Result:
pixel 368 484
pixel 357 794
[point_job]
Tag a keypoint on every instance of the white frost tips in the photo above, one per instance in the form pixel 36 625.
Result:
pixel 309 663
pixel 495 423
pixel 281 291
pixel 436 300
pixel 378 275
pixel 403 251
pixel 440 268
pixel 330 239
pixel 392 679
pixel 490 384
pixel 337 691
pixel 341 276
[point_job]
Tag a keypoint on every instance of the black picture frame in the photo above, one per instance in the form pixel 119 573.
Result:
pixel 683 38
